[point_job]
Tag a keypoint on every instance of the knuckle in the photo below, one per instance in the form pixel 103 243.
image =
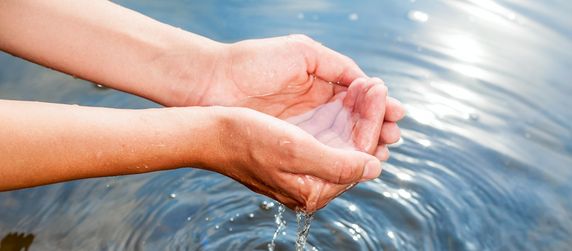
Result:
pixel 347 173
pixel 383 90
pixel 303 42
pixel 349 61
pixel 301 37
pixel 385 155
pixel 379 81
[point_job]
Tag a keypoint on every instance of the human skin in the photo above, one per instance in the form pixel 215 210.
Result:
pixel 283 77
pixel 125 50
pixel 44 143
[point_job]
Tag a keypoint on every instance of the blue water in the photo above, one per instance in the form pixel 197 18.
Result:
pixel 485 162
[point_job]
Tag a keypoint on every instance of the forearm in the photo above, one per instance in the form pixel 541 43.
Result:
pixel 43 143
pixel 102 42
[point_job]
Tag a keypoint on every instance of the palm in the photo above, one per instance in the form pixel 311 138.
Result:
pixel 351 120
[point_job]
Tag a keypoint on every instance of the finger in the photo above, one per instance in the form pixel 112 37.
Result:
pixel 332 164
pixel 369 104
pixel 394 110
pixel 329 192
pixel 390 133
pixel 328 64
pixel 382 153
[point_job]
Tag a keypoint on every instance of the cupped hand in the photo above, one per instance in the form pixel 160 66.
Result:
pixel 284 77
pixel 352 119
pixel 282 161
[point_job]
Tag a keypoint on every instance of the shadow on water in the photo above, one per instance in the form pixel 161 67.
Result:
pixel 485 161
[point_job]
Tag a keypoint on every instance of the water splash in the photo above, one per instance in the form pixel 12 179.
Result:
pixel 281 225
pixel 304 220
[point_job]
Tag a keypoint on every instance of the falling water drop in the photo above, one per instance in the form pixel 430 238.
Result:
pixel 280 223
pixel 267 205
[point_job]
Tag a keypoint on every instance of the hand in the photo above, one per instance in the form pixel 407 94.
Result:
pixel 283 77
pixel 352 120
pixel 282 161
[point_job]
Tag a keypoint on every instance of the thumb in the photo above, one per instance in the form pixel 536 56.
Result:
pixel 343 166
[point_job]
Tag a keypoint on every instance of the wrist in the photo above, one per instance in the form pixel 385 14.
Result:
pixel 197 135
pixel 186 67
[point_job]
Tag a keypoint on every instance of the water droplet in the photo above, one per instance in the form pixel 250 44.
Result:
pixel 231 219
pixel 284 142
pixel 189 218
pixel 267 205
pixel 353 17
pixel 217 227
pixel 280 225
pixel 207 219
pixel 251 215
pixel 418 16
pixel 172 196
pixel 230 229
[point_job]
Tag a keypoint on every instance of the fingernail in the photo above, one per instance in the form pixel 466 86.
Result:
pixel 372 170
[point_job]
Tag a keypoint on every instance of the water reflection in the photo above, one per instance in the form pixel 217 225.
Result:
pixel 484 162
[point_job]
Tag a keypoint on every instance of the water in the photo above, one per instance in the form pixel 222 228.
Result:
pixel 280 225
pixel 304 220
pixel 485 161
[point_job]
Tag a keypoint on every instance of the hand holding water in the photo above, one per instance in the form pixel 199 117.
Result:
pixel 344 119
pixel 307 165
pixel 282 76
pixel 353 119
pixel 282 161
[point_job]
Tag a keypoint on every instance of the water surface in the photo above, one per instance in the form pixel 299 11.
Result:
pixel 485 162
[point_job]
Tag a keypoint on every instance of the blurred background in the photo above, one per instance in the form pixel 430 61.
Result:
pixel 485 161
